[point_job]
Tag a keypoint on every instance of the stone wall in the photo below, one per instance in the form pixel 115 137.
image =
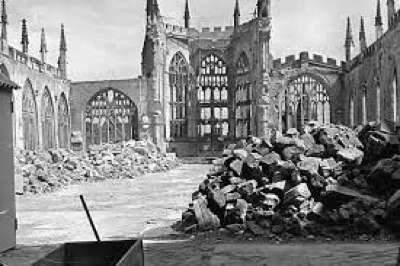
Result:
pixel 21 69
pixel 372 71
pixel 82 92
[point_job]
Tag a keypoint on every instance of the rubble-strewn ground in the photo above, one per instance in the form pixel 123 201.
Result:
pixel 123 208
pixel 324 184
pixel 44 172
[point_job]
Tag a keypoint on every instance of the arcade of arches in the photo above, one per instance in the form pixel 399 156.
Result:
pixel 306 99
pixel 47 116
pixel 179 84
pixel 212 91
pixel 111 117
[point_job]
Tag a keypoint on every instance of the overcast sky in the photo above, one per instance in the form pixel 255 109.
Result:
pixel 105 37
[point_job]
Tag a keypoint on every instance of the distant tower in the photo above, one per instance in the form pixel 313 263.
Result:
pixel 349 40
pixel 62 59
pixel 43 47
pixel 25 38
pixel 236 15
pixel 378 21
pixel 390 10
pixel 264 8
pixel 363 39
pixel 187 15
pixel 4 22
pixel 152 10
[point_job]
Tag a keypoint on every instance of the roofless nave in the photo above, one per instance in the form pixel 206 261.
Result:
pixel 200 89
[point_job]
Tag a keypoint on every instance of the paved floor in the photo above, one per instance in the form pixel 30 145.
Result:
pixel 149 205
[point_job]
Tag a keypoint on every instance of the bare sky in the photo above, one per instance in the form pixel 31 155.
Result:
pixel 105 37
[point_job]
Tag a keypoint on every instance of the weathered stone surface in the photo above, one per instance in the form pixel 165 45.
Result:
pixel 232 197
pixel 336 195
pixel 316 150
pixel 205 218
pixel 308 140
pixel 271 159
pixel 236 213
pixel 236 166
pixel 271 201
pixel 236 228
pixel 240 153
pixel 255 229
pixel 351 155
pixel 309 165
pixel 292 153
pixel 217 197
pixel 393 210
pixel 228 189
pixel 300 192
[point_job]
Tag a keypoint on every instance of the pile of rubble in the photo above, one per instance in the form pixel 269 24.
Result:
pixel 43 172
pixel 314 185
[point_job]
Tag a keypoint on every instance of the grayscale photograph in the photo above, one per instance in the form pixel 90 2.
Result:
pixel 187 132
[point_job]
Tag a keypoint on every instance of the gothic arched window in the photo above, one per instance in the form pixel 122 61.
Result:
pixel 48 136
pixel 29 117
pixel 213 96
pixel 111 117
pixel 306 99
pixel 63 122
pixel 179 85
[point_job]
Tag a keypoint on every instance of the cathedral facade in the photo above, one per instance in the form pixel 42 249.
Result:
pixel 201 89
pixel 210 87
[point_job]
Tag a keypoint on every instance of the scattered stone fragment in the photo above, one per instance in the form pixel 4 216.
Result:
pixel 205 218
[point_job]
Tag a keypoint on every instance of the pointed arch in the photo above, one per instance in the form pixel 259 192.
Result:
pixel 179 86
pixel 243 64
pixel 63 122
pixel 48 123
pixel 111 117
pixel 29 117
pixel 306 99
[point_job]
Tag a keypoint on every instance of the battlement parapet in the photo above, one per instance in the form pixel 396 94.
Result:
pixel 174 29
pixel 217 29
pixel 32 62
pixel 371 50
pixel 304 57
pixel 368 52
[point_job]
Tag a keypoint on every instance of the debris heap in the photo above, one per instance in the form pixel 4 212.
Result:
pixel 47 171
pixel 315 184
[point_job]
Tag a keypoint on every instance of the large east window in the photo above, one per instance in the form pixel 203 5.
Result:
pixel 212 95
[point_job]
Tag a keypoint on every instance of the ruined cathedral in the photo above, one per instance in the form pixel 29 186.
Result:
pixel 203 88
pixel 210 86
